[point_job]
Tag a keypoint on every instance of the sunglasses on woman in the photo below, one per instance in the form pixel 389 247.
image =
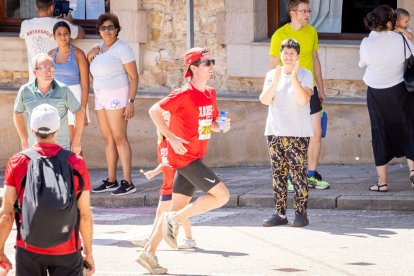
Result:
pixel 109 28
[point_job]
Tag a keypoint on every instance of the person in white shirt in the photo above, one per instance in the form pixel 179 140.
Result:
pixel 115 84
pixel 38 32
pixel 389 103
pixel 287 91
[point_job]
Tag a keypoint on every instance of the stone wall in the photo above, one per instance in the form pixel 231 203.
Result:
pixel 163 64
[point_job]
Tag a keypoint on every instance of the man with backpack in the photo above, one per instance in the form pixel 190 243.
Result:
pixel 47 193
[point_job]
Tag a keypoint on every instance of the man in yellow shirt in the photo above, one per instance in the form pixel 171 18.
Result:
pixel 307 36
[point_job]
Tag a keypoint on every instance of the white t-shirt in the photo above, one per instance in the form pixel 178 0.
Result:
pixel 286 117
pixel 108 69
pixel 383 55
pixel 38 35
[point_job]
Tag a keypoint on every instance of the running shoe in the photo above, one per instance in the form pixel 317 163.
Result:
pixel 290 187
pixel 124 189
pixel 150 262
pixel 317 182
pixel 187 244
pixel 170 229
pixel 106 186
pixel 140 243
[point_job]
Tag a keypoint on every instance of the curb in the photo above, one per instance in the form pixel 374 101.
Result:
pixel 396 203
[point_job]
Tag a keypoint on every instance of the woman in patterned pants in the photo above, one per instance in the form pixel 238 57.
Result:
pixel 287 91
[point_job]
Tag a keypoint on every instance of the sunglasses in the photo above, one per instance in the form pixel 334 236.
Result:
pixel 207 62
pixel 109 28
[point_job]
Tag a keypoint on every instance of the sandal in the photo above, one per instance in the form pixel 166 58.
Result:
pixel 412 178
pixel 379 188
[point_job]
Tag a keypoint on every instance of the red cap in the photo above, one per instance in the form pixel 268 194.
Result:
pixel 193 55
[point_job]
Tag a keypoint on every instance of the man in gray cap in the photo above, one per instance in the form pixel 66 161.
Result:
pixel 46 90
pixel 64 258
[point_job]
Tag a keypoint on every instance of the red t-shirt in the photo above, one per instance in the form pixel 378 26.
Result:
pixel 16 169
pixel 192 113
pixel 168 172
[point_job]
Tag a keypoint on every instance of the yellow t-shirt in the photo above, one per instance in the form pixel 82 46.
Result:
pixel 307 37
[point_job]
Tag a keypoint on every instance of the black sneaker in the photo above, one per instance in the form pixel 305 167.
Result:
pixel 124 189
pixel 301 220
pixel 106 186
pixel 274 220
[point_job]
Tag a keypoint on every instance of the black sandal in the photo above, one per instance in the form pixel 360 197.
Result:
pixel 378 188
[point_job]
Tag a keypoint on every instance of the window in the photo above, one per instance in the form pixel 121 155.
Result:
pixel 334 19
pixel 84 13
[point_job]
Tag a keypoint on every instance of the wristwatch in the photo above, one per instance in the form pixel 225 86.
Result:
pixel 132 100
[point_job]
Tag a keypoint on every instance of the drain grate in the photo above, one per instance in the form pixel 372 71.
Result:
pixel 360 263
pixel 288 269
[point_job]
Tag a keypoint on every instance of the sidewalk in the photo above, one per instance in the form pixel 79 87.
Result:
pixel 252 187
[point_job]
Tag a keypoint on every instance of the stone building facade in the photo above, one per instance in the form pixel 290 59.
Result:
pixel 236 33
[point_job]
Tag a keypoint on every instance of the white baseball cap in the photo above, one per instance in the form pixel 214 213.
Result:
pixel 45 119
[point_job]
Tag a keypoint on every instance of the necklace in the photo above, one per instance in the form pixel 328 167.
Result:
pixel 68 60
pixel 104 49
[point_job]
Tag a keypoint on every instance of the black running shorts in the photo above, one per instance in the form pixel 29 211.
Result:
pixel 194 175
pixel 315 102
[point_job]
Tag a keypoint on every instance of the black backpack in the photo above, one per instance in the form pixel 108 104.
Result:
pixel 49 211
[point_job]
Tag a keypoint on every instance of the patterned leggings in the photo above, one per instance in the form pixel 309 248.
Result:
pixel 289 154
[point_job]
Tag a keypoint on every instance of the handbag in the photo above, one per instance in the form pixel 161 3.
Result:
pixel 408 67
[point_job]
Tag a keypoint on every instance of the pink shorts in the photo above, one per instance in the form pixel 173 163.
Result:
pixel 111 99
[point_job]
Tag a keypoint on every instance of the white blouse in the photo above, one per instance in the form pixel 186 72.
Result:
pixel 383 55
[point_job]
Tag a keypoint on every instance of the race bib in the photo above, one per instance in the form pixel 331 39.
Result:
pixel 204 129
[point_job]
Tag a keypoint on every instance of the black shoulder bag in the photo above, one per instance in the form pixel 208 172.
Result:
pixel 408 67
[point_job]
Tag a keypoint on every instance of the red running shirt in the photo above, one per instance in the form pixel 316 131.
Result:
pixel 16 169
pixel 168 172
pixel 192 113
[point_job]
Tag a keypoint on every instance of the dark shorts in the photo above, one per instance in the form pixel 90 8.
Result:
pixel 165 197
pixel 33 264
pixel 194 175
pixel 315 102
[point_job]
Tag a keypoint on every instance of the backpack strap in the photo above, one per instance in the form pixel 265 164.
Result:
pixel 64 154
pixel 31 154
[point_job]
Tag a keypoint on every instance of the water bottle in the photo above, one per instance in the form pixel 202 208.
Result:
pixel 221 120
pixel 324 123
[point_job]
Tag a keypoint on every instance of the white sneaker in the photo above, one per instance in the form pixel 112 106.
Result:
pixel 187 244
pixel 169 229
pixel 150 262
pixel 140 243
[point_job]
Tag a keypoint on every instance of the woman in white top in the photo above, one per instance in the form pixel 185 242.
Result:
pixel 287 91
pixel 389 104
pixel 115 84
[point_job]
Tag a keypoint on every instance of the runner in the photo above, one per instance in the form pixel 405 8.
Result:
pixel 193 112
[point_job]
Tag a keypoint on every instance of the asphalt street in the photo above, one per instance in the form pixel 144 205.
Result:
pixel 231 241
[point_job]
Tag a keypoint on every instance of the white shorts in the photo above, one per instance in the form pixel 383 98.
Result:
pixel 77 91
pixel 111 99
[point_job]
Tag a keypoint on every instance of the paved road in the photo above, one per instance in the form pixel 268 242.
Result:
pixel 252 187
pixel 232 242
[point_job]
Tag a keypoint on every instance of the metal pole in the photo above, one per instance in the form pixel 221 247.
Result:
pixel 190 23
